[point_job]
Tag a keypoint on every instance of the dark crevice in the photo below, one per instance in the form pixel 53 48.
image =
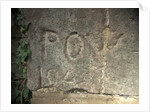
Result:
pixel 47 30
pixel 80 90
pixel 73 33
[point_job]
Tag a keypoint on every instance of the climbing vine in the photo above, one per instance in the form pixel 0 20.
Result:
pixel 20 92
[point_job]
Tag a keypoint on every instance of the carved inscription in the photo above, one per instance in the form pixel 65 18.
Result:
pixel 113 41
pixel 69 76
pixel 52 75
pixel 51 38
pixel 74 47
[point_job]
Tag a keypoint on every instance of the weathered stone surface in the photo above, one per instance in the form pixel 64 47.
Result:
pixel 122 69
pixel 92 49
pixel 55 96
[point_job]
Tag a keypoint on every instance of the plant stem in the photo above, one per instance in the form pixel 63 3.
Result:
pixel 23 83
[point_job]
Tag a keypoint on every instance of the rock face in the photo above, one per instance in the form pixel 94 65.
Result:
pixel 55 96
pixel 96 50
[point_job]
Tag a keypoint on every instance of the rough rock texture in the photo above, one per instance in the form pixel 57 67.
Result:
pixel 55 96
pixel 92 49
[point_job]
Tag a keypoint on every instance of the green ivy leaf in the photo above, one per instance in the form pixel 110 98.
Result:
pixel 17 83
pixel 18 100
pixel 26 92
pixel 24 75
pixel 24 69
pixel 17 61
pixel 22 29
pixel 22 53
pixel 22 59
pixel 28 51
pixel 15 90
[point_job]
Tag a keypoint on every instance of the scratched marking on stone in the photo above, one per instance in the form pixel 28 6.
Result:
pixel 51 38
pixel 74 47
pixel 52 75
pixel 107 17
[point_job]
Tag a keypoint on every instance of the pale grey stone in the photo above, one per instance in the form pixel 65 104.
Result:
pixel 92 49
